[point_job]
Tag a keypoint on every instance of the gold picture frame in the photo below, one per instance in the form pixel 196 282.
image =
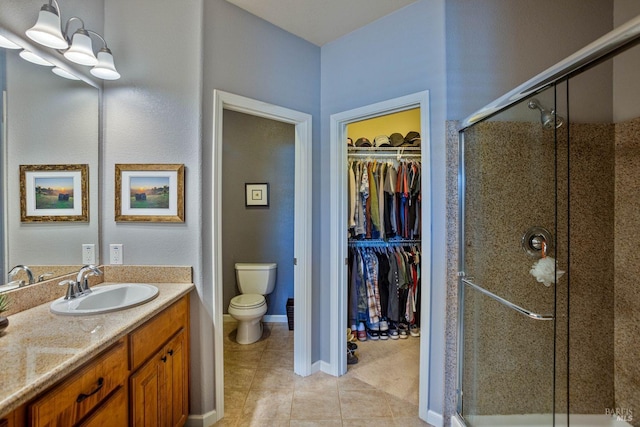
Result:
pixel 50 193
pixel 149 192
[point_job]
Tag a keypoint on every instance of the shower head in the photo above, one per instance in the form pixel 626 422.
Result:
pixel 548 118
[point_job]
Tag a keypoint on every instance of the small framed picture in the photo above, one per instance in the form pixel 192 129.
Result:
pixel 256 195
pixel 149 193
pixel 54 193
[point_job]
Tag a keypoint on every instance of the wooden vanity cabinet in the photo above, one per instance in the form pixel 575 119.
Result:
pixel 141 380
pixel 86 391
pixel 159 384
pixel 14 419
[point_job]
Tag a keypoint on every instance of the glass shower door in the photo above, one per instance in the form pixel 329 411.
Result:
pixel 509 226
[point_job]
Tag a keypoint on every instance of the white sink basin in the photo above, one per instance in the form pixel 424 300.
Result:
pixel 105 299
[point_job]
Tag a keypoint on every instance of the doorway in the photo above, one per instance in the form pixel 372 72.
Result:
pixel 338 244
pixel 302 229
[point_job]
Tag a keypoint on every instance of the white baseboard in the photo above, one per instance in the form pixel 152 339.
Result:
pixel 270 318
pixel 204 420
pixel 316 367
pixel 435 419
pixel 275 318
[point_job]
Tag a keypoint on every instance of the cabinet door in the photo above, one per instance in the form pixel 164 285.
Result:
pixel 177 380
pixel 145 390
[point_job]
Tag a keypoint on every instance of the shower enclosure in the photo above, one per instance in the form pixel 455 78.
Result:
pixel 549 304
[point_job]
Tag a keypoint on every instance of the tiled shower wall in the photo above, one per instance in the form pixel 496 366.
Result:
pixel 627 267
pixel 510 369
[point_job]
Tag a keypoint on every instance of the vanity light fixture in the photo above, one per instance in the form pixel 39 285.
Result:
pixel 27 55
pixel 81 49
pixel 47 30
pixel 105 68
pixel 78 47
pixel 64 73
pixel 8 44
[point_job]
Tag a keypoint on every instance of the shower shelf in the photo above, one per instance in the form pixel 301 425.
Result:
pixel 509 304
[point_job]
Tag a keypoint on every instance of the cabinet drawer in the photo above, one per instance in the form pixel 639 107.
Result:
pixel 150 337
pixel 112 413
pixel 68 402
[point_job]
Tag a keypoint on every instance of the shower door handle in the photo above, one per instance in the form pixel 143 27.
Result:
pixel 509 304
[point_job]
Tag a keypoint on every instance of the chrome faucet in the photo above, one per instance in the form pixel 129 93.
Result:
pixel 15 271
pixel 82 280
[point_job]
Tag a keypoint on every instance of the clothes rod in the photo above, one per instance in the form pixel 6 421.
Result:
pixel 385 155
pixel 384 243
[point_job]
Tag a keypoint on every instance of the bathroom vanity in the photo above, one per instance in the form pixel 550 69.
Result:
pixel 129 367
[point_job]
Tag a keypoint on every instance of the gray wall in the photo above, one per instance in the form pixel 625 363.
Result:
pixel 152 115
pixel 257 150
pixel 372 65
pixel 626 90
pixel 248 56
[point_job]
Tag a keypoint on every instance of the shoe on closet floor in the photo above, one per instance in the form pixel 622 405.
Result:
pixel 362 333
pixel 384 330
pixel 414 330
pixel 403 331
pixel 351 335
pixel 352 359
pixel 393 331
pixel 373 332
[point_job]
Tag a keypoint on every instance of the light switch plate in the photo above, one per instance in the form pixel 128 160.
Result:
pixel 115 253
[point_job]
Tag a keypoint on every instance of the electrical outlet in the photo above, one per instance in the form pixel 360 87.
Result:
pixel 88 253
pixel 115 253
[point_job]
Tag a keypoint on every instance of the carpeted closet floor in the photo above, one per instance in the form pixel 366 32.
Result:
pixel 262 390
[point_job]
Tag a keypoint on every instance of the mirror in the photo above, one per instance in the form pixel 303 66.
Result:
pixel 46 120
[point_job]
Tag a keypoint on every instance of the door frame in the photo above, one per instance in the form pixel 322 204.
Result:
pixel 302 229
pixel 338 226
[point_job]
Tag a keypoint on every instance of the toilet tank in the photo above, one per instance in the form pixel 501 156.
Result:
pixel 256 278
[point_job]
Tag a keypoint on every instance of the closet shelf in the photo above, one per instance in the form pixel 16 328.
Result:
pixel 386 152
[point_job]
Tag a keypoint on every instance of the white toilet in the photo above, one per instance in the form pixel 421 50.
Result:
pixel 254 281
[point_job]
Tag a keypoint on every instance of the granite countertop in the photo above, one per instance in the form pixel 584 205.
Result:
pixel 40 348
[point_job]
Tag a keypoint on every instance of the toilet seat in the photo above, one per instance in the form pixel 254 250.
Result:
pixel 247 301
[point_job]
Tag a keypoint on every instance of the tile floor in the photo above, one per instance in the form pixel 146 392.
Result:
pixel 262 390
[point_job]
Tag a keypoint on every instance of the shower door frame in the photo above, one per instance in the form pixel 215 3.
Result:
pixel 616 41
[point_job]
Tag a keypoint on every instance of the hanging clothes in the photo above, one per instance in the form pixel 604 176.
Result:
pixel 384 199
pixel 384 284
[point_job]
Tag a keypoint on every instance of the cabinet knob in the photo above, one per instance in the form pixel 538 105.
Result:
pixel 164 358
pixel 170 352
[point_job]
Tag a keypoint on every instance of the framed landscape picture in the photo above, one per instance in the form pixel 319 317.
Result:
pixel 149 192
pixel 54 193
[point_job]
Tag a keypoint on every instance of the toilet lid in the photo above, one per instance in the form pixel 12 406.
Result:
pixel 247 301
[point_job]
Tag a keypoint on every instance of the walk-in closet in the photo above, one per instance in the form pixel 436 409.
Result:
pixel 384 167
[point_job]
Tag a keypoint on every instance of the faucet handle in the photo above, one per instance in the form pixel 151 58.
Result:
pixel 71 289
pixel 43 276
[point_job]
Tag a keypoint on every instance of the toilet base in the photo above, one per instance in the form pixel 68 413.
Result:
pixel 250 331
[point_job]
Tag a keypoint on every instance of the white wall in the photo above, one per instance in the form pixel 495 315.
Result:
pixel 400 54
